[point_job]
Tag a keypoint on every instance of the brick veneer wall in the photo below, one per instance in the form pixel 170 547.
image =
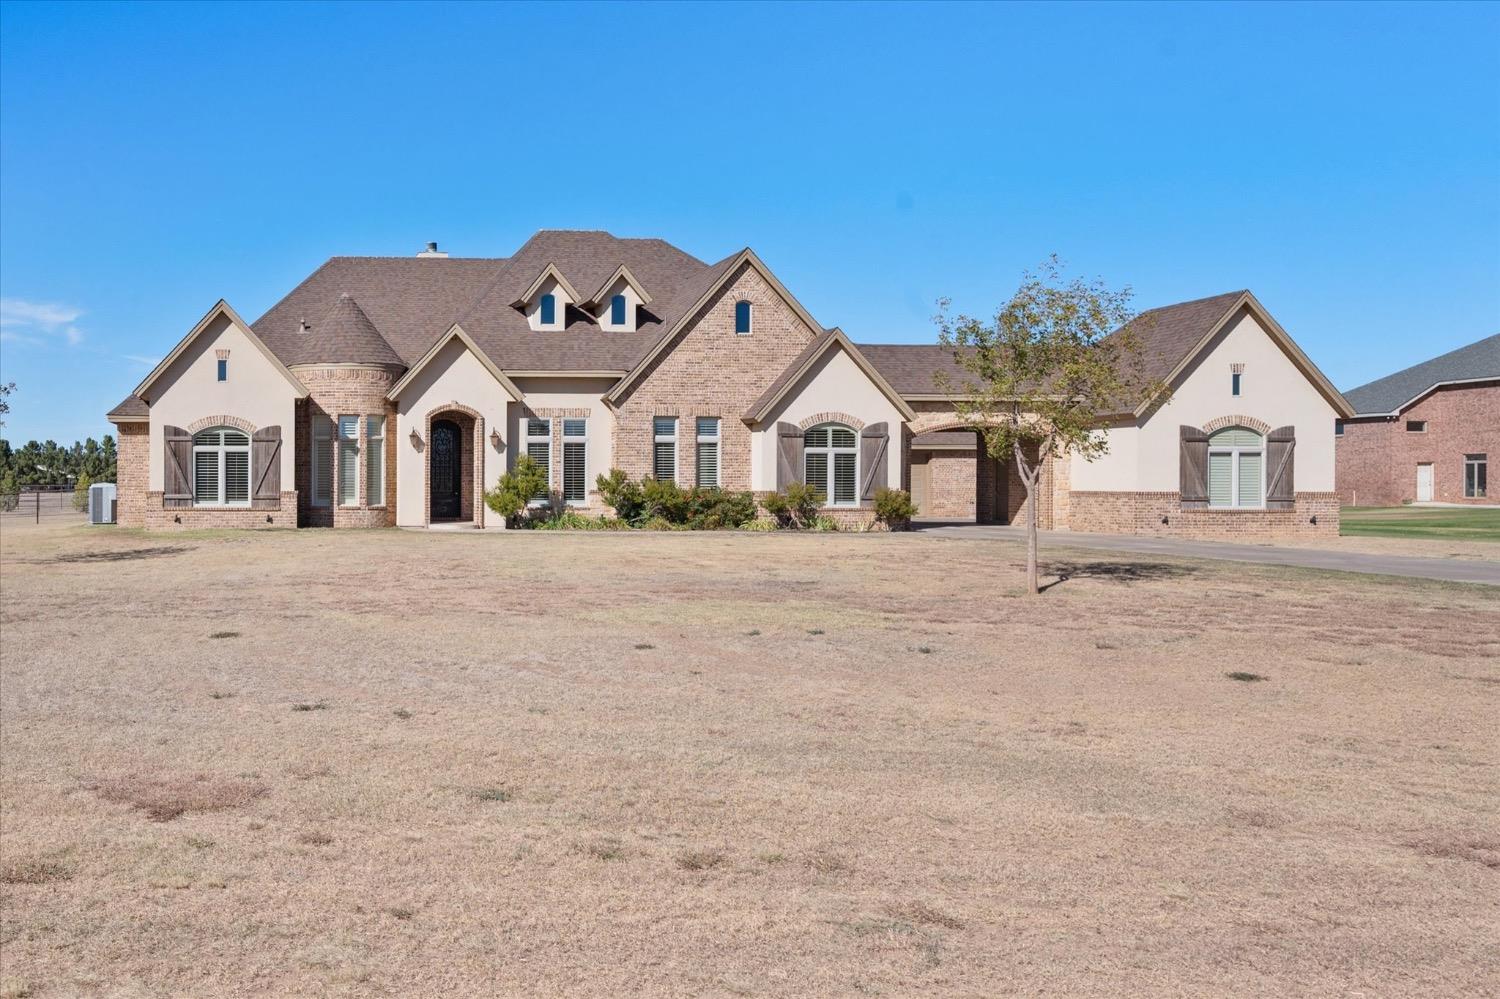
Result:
pixel 952 485
pixel 711 371
pixel 189 518
pixel 132 476
pixel 1098 512
pixel 335 391
pixel 1376 459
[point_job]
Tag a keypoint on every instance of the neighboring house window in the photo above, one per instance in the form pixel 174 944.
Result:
pixel 1236 468
pixel 549 310
pixel 1476 474
pixel 830 462
pixel 664 448
pixel 348 461
pixel 221 467
pixel 575 461
pixel 617 310
pixel 375 460
pixel 322 461
pixel 742 317
pixel 1416 426
pixel 1234 383
pixel 223 371
pixel 1338 428
pixel 539 449
pixel 708 451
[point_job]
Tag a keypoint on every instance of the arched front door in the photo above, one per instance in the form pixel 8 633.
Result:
pixel 445 472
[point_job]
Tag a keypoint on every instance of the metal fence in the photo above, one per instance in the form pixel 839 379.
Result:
pixel 38 504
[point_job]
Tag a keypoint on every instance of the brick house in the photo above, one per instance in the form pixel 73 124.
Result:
pixel 385 391
pixel 1424 434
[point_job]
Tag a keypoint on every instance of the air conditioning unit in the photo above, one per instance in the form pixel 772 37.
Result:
pixel 102 503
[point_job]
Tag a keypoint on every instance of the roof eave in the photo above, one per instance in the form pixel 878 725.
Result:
pixel 221 307
pixel 455 332
pixel 836 338
pixel 549 271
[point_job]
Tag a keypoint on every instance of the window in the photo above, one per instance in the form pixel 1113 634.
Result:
pixel 1236 468
pixel 617 310
pixel 348 461
pixel 1338 428
pixel 539 449
pixel 221 467
pixel 375 460
pixel 322 461
pixel 708 451
pixel 1234 383
pixel 1416 426
pixel 1476 472
pixel 549 310
pixel 830 462
pixel 223 370
pixel 664 448
pixel 742 317
pixel 575 461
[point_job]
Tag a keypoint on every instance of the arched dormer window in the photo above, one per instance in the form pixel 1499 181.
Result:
pixel 221 467
pixel 617 310
pixel 548 309
pixel 1236 468
pixel 830 462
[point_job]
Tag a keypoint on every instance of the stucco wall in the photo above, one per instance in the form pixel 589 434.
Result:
pixel 558 399
pixel 1144 457
pixel 189 391
pixel 454 376
pixel 632 302
pixel 835 385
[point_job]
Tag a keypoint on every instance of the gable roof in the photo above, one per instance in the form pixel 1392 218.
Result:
pixel 221 308
pixel 621 273
pixel 345 335
pixel 803 363
pixel 713 282
pixel 913 368
pixel 550 271
pixel 456 332
pixel 131 409
pixel 1388 396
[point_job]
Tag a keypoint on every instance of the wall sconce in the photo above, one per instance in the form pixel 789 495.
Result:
pixel 495 438
pixel 1164 519
pixel 1313 520
pixel 416 440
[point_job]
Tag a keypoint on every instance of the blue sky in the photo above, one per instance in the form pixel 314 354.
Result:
pixel 1343 161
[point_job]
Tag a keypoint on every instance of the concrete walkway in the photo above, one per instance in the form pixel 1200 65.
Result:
pixel 1447 569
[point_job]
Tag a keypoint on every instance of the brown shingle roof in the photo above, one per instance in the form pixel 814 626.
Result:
pixel 912 368
pixel 132 407
pixel 346 335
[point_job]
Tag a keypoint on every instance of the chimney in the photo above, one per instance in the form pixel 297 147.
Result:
pixel 432 251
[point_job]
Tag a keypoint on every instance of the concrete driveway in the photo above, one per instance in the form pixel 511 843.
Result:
pixel 1447 569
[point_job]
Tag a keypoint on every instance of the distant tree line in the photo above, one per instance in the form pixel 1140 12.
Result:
pixel 49 463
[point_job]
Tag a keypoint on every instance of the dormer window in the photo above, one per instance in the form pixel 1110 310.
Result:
pixel 742 318
pixel 617 310
pixel 547 301
pixel 616 304
pixel 549 310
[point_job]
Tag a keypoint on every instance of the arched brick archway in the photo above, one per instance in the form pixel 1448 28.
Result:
pixel 221 421
pixel 471 461
pixel 1249 422
pixel 844 418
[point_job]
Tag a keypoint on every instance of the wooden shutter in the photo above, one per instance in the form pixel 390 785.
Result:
pixel 788 455
pixel 265 469
pixel 873 441
pixel 177 459
pixel 1193 467
pixel 1280 488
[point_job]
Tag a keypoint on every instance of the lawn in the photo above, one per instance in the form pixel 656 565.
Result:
pixel 1438 523
pixel 396 764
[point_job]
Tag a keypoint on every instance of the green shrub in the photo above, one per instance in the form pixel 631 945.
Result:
pixel 823 522
pixel 664 499
pixel 516 489
pixel 795 506
pixel 10 491
pixel 663 504
pixel 572 520
pixel 716 509
pixel 81 493
pixel 894 508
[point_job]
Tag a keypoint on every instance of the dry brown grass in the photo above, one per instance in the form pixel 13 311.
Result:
pixel 843 766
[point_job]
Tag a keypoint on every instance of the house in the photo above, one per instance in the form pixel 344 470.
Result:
pixel 1424 434
pixel 394 391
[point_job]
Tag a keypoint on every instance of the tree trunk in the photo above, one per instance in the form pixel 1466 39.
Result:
pixel 1029 476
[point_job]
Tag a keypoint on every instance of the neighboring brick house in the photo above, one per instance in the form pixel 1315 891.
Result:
pixel 1424 434
pixel 394 391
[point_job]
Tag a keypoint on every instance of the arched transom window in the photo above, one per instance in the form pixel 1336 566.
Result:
pixel 830 456
pixel 221 467
pixel 1236 468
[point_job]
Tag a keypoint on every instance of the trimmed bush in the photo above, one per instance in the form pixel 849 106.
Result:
pixel 516 489
pixel 664 505
pixel 894 508
pixel 795 506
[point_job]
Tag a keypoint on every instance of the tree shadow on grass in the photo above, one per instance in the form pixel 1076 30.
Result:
pixel 1116 572
pixel 124 554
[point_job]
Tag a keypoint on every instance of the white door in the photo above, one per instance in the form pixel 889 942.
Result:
pixel 1424 483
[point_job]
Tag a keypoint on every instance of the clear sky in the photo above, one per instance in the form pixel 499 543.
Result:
pixel 1343 161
